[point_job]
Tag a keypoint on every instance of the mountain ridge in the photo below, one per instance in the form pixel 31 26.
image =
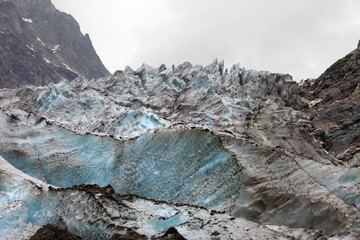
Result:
pixel 333 107
pixel 40 45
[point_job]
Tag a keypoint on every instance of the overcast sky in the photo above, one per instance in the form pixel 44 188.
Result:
pixel 301 37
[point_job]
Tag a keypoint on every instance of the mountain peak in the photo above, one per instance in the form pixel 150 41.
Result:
pixel 41 45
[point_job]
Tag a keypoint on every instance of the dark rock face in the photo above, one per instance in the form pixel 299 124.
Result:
pixel 39 45
pixel 334 106
pixel 171 234
pixel 131 235
pixel 51 232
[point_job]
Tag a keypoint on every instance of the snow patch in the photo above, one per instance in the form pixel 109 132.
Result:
pixel 54 49
pixel 70 68
pixel 30 47
pixel 40 41
pixel 2 32
pixel 46 60
pixel 30 54
pixel 28 20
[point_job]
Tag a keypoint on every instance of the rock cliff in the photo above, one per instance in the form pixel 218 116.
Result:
pixel 333 107
pixel 40 45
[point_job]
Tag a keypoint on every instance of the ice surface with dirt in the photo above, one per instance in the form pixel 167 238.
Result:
pixel 208 152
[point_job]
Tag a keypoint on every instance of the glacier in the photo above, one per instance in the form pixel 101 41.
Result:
pixel 207 151
pixel 99 213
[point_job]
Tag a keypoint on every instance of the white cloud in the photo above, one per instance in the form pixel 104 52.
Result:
pixel 302 37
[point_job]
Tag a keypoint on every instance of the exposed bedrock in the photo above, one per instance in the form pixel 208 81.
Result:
pixel 334 107
pixel 52 232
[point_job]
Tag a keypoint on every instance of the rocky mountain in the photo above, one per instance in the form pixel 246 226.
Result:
pixel 40 45
pixel 186 152
pixel 333 107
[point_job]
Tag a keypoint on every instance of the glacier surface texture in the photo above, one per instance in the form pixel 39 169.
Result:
pixel 198 152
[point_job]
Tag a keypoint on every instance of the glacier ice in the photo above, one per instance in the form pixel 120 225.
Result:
pixel 99 213
pixel 140 166
pixel 227 140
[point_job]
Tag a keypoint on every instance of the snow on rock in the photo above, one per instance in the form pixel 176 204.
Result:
pixel 31 48
pixel 55 48
pixel 28 20
pixel 46 60
pixel 40 41
pixel 69 68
